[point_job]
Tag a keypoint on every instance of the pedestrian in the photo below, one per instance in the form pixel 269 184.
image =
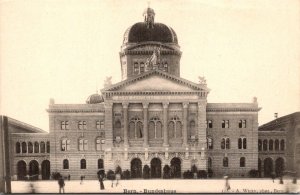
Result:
pixel 227 186
pixel 101 182
pixel 69 177
pixel 81 179
pixel 273 176
pixel 61 184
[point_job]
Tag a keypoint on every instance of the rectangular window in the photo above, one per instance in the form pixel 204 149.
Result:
pixel 82 125
pixel 136 68
pixel 225 124
pixel 142 68
pixel 98 125
pixel 64 125
pixel 242 123
pixel 101 125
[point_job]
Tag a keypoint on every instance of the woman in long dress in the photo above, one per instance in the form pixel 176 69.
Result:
pixel 101 182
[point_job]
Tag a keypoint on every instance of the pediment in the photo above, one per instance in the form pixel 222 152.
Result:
pixel 156 81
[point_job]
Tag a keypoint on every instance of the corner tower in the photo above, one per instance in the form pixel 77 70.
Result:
pixel 149 45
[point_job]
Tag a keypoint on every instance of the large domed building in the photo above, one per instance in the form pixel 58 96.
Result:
pixel 153 122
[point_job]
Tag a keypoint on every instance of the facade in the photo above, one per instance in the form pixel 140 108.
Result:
pixel 279 145
pixel 153 118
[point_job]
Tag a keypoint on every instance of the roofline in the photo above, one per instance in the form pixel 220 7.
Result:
pixel 18 123
pixel 130 80
pixel 277 121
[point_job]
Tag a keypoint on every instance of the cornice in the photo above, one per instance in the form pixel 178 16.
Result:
pixel 74 110
pixel 233 109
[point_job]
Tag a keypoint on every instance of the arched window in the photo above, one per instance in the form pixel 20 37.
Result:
pixel 65 144
pixel 98 144
pixel 192 128
pixel 135 128
pixel 48 147
pixel 18 147
pixel 43 147
pixel 282 145
pixel 65 164
pixel 30 147
pixel 171 129
pixel 276 144
pixel 175 127
pixel 24 147
pixel 117 128
pixel 210 143
pixel 242 143
pixel 265 145
pixel 223 143
pixel 227 143
pixel 225 162
pixel 242 162
pixel 270 144
pixel 100 164
pixel 155 130
pixel 209 163
pixel 82 164
pixel 36 147
pixel 259 145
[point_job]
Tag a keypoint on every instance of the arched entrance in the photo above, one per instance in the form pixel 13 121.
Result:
pixel 259 167
pixel 175 168
pixel 136 168
pixel 279 166
pixel 46 169
pixel 155 168
pixel 268 167
pixel 21 170
pixel 33 170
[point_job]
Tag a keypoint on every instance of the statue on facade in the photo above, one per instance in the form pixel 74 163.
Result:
pixel 202 80
pixel 107 82
pixel 152 62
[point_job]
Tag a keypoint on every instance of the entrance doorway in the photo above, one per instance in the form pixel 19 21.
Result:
pixel 175 168
pixel 279 166
pixel 136 168
pixel 155 168
pixel 21 170
pixel 268 167
pixel 34 170
pixel 46 169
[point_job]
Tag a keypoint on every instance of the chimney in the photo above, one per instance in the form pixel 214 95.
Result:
pixel 276 115
pixel 51 101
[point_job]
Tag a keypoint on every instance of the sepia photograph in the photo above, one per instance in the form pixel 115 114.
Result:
pixel 149 96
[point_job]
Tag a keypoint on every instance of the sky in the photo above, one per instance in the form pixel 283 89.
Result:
pixel 65 49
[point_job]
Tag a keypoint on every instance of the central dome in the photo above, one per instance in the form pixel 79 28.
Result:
pixel 140 32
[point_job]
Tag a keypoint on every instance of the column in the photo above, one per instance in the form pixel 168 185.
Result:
pixel 40 171
pixel 165 126
pixel 185 121
pixel 125 112
pixel 108 124
pixel 145 110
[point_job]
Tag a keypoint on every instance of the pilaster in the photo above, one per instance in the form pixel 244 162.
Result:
pixel 185 118
pixel 125 113
pixel 145 110
pixel 108 124
pixel 165 126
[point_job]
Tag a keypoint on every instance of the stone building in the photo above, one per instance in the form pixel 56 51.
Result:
pixel 152 117
pixel 279 145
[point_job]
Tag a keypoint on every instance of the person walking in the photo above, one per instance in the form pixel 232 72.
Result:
pixel 61 184
pixel 81 179
pixel 227 186
pixel 101 182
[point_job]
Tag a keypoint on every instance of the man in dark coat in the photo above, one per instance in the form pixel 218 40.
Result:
pixel 61 184
pixel 101 182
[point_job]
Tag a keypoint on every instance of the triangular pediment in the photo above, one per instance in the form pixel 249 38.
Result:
pixel 156 81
